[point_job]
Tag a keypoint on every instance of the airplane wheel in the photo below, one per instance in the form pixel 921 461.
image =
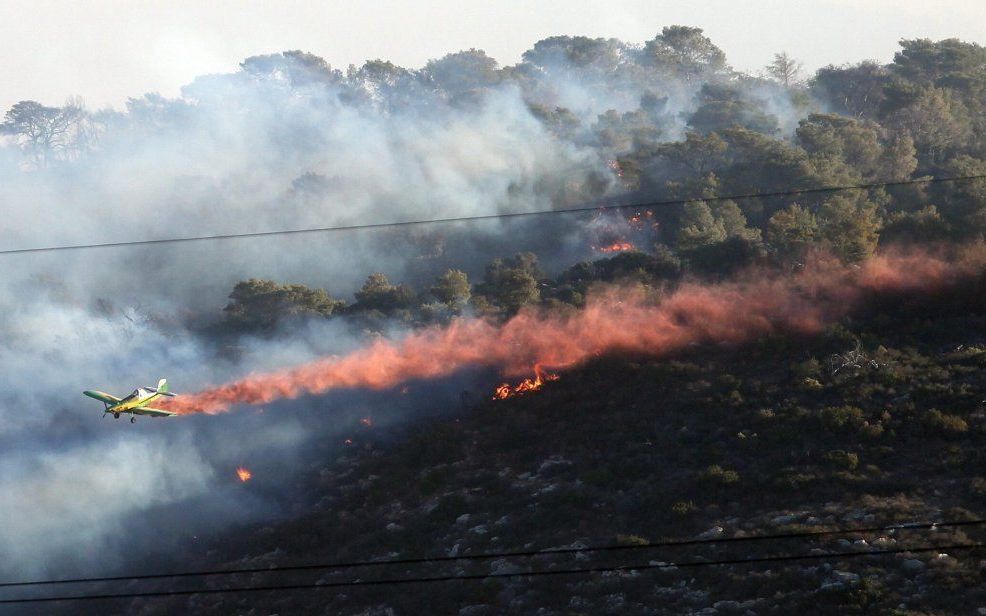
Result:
pixel 133 420
pixel 116 415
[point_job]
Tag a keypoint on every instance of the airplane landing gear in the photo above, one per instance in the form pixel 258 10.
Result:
pixel 116 415
pixel 133 420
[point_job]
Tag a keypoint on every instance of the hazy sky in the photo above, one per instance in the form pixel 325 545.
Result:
pixel 107 50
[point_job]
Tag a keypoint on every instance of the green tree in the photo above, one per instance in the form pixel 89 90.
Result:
pixel 791 231
pixel 298 68
pixel 377 293
pixel 463 73
pixel 899 159
pixel 683 52
pixel 699 227
pixel 924 225
pixel 850 227
pixel 733 221
pixel 936 120
pixel 452 288
pixel 726 107
pixel 966 201
pixel 853 142
pixel 696 155
pixel 512 283
pixel 930 62
pixel 258 305
pixel 856 90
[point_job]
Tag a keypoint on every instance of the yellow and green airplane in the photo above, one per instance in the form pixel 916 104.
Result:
pixel 136 403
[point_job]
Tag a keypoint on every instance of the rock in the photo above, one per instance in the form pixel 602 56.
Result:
pixel 463 519
pixel 860 545
pixel 475 610
pixel 712 533
pixel 846 577
pixel 553 466
pixel 843 544
pixel 912 565
pixel 482 529
pixel 785 519
pixel 503 566
pixel 728 606
pixel 394 527
pixel 578 603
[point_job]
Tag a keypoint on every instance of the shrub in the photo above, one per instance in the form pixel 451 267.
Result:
pixel 631 540
pixel 843 459
pixel 944 423
pixel 842 418
pixel 720 475
pixel 683 508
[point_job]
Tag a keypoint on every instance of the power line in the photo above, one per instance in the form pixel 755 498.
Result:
pixel 495 555
pixel 486 576
pixel 506 215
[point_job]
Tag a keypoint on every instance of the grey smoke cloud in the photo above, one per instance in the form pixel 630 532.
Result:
pixel 241 153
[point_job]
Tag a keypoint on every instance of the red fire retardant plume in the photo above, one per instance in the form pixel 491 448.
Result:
pixel 614 320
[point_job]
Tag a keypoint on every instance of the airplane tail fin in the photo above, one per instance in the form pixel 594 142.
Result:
pixel 162 386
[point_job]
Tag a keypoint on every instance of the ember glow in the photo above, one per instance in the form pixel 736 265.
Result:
pixel 615 320
pixel 244 474
pixel 621 246
pixel 528 385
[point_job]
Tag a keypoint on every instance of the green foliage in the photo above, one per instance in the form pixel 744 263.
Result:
pixel 699 227
pixel 452 288
pixel 683 52
pixel 854 143
pixel 925 225
pixel 842 459
pixel 377 293
pixel 842 419
pixel 851 227
pixel 258 305
pixel 725 107
pixel 683 508
pixel 792 231
pixel 631 540
pixel 943 423
pixel 510 284
pixel 632 266
pixel 718 475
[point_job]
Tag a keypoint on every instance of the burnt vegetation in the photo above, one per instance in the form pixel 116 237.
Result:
pixel 877 421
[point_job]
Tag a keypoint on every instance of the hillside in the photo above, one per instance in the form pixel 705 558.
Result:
pixel 760 439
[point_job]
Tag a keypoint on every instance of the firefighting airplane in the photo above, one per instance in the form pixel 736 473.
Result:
pixel 135 403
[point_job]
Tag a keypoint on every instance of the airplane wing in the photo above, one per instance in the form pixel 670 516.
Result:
pixel 102 397
pixel 146 410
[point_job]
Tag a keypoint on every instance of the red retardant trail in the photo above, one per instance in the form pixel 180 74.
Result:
pixel 614 320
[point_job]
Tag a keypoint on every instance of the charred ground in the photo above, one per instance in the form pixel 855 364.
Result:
pixel 765 438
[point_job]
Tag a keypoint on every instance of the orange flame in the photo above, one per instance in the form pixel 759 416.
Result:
pixel 621 246
pixel 757 304
pixel 244 474
pixel 526 386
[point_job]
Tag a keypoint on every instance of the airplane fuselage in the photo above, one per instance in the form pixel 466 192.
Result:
pixel 137 399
